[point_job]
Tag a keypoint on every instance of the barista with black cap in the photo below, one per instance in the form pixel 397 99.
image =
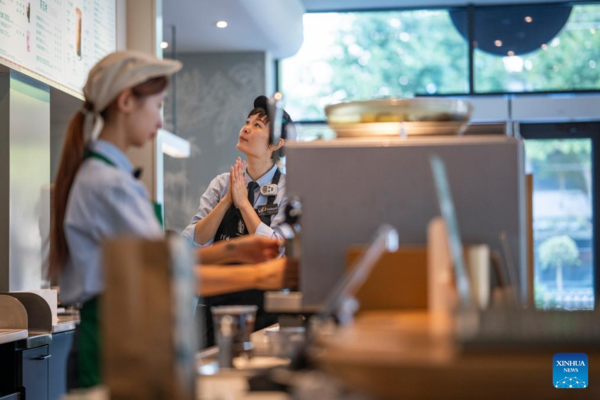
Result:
pixel 250 199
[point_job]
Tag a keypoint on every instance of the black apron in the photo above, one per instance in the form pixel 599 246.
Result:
pixel 233 226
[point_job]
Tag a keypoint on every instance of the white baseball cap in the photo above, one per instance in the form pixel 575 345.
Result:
pixel 119 71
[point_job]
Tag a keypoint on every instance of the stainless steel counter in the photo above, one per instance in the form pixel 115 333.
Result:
pixel 66 323
pixel 207 363
pixel 12 335
pixel 271 347
pixel 233 383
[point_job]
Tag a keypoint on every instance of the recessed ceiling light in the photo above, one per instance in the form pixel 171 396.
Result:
pixel 498 43
pixel 511 53
pixel 528 19
pixel 164 45
pixel 222 24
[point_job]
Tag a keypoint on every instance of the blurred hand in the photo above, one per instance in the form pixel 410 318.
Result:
pixel 278 274
pixel 252 249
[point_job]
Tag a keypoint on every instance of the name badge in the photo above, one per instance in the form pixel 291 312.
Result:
pixel 269 190
pixel 268 209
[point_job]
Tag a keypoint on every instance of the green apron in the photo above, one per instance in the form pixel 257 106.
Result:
pixel 89 327
pixel 89 345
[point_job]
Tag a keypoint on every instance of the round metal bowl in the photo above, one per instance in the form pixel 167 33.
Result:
pixel 389 117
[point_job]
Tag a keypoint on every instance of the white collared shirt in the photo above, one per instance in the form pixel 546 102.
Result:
pixel 105 202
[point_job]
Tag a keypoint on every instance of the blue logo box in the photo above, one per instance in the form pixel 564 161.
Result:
pixel 570 371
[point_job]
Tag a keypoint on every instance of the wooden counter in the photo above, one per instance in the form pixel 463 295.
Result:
pixel 416 356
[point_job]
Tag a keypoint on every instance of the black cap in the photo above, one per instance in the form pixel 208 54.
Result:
pixel 287 129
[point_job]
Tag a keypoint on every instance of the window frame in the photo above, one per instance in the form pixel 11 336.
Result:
pixel 470 10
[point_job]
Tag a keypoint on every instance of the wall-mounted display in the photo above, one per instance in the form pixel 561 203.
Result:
pixel 57 39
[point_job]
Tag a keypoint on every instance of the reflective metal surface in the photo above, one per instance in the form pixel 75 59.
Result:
pixel 395 117
pixel 24 178
pixel 389 181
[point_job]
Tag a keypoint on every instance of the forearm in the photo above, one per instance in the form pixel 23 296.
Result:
pixel 213 280
pixel 250 217
pixel 207 227
pixel 219 253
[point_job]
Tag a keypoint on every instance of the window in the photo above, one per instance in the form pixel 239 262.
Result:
pixel 366 55
pixel 348 56
pixel 563 211
pixel 537 48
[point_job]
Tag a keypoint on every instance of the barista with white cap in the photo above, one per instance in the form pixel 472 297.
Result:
pixel 97 197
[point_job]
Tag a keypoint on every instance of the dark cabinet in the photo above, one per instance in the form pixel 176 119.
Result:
pixel 35 367
pixel 59 349
pixel 36 373
pixel 8 375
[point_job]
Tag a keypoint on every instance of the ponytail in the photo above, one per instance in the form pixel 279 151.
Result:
pixel 70 161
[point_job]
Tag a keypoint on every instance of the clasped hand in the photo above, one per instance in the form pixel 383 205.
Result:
pixel 237 193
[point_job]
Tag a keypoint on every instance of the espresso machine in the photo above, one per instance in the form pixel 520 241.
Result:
pixel 343 189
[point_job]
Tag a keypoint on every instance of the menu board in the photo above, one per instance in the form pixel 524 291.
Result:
pixel 59 39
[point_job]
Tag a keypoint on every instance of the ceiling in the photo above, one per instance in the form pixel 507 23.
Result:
pixel 253 25
pixel 273 26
